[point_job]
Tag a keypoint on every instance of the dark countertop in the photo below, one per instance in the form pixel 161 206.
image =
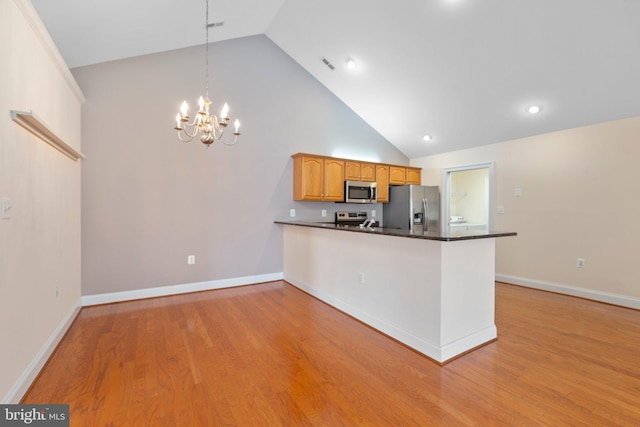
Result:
pixel 443 236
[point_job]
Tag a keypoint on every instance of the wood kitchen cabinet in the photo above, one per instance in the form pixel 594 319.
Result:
pixel 413 176
pixel 399 175
pixel 321 178
pixel 359 171
pixel 382 180
pixel 318 178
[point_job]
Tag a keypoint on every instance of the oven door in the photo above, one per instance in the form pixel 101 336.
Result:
pixel 360 192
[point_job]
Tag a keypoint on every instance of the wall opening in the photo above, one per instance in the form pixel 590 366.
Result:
pixel 468 197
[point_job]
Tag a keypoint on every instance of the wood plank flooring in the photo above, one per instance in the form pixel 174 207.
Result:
pixel 271 355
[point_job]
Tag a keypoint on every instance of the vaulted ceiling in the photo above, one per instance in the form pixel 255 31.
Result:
pixel 462 71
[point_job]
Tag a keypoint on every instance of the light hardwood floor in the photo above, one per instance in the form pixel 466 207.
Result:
pixel 270 355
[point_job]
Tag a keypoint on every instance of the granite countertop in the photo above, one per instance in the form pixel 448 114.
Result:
pixel 445 236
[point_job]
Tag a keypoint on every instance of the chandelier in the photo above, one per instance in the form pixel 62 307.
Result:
pixel 210 127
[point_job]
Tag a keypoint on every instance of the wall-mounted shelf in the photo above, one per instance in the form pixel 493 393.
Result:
pixel 33 124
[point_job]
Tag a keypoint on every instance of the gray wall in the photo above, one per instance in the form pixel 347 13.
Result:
pixel 149 201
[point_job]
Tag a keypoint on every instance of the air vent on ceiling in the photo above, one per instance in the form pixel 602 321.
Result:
pixel 328 64
pixel 216 24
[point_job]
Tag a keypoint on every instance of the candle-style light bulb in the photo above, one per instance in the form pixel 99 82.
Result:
pixel 225 112
pixel 183 108
pixel 178 117
pixel 201 103
pixel 237 125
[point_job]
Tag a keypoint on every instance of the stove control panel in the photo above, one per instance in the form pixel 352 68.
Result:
pixel 345 217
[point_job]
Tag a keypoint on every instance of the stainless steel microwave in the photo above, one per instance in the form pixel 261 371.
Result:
pixel 360 192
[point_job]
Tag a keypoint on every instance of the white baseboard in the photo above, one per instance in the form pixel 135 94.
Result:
pixel 621 300
pixel 160 291
pixel 440 354
pixel 428 349
pixel 29 375
pixel 478 338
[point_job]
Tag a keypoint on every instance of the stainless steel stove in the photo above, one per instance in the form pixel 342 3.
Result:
pixel 350 218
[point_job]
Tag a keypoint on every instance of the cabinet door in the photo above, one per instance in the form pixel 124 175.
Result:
pixel 413 176
pixel 382 180
pixel 352 171
pixel 367 172
pixel 312 177
pixel 308 175
pixel 334 180
pixel 397 175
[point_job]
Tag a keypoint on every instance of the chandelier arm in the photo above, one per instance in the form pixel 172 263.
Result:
pixel 193 133
pixel 235 139
pixel 194 122
pixel 217 131
pixel 184 140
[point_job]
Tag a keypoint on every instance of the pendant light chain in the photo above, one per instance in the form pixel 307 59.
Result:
pixel 206 26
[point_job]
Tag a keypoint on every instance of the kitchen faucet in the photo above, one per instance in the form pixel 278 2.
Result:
pixel 368 223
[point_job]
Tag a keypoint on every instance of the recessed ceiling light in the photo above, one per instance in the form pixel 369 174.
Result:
pixel 427 138
pixel 351 63
pixel 534 109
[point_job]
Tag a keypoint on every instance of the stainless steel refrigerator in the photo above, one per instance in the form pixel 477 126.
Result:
pixel 412 207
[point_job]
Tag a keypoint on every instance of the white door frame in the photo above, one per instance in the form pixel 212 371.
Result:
pixel 446 191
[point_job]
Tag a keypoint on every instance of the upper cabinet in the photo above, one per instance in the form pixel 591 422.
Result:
pixel 359 171
pixel 318 178
pixel 400 175
pixel 333 180
pixel 382 180
pixel 397 175
pixel 413 176
pixel 321 178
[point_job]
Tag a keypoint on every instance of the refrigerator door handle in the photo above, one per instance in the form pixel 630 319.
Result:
pixel 425 207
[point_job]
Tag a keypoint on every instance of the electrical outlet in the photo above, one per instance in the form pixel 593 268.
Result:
pixel 191 259
pixel 580 263
pixel 292 212
pixel 517 192
pixel 373 213
pixel 361 277
pixel 500 210
pixel 6 206
pixel 324 212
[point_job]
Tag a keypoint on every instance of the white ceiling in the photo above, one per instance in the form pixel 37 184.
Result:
pixel 462 71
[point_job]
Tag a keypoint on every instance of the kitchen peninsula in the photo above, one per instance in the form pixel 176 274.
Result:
pixel 433 291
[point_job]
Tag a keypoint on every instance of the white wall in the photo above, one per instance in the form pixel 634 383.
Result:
pixel 579 200
pixel 150 200
pixel 40 243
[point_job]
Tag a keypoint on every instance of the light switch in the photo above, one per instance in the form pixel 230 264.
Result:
pixel 500 210
pixel 517 192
